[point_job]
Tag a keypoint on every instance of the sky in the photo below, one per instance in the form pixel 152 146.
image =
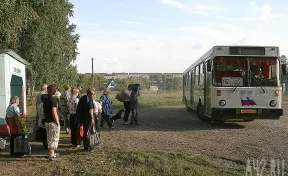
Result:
pixel 167 36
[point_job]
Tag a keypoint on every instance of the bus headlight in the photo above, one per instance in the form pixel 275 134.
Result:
pixel 222 102
pixel 273 103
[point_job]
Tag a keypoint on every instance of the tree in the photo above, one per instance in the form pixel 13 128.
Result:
pixel 39 31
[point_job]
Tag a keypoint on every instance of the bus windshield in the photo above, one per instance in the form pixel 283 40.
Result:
pixel 245 71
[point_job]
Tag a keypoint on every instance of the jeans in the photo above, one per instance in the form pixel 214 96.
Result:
pixel 134 117
pixel 107 119
pixel 127 110
pixel 86 126
pixel 12 137
pixel 73 129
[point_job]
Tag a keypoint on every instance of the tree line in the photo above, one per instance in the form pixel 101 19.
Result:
pixel 40 32
pixel 163 82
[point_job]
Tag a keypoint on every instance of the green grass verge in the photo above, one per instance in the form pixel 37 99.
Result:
pixel 113 161
pixel 149 99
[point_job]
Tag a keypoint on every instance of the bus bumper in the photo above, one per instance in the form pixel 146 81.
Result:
pixel 245 114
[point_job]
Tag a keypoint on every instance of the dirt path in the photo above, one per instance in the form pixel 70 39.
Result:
pixel 175 129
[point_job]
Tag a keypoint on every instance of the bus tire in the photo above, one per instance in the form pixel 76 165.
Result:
pixel 185 101
pixel 200 112
pixel 217 122
pixel 250 120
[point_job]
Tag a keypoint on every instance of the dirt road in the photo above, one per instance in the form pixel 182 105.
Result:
pixel 175 129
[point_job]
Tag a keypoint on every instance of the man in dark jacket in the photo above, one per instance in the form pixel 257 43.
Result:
pixel 85 115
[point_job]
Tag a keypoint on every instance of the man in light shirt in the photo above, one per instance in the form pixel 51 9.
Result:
pixel 127 94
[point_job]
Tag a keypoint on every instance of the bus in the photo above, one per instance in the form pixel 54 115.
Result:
pixel 235 83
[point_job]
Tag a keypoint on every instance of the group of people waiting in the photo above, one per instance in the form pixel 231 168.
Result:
pixel 72 108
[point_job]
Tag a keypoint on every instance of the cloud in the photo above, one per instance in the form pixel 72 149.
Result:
pixel 87 24
pixel 195 9
pixel 252 3
pixel 263 12
pixel 173 3
pixel 116 4
pixel 127 22
pixel 198 30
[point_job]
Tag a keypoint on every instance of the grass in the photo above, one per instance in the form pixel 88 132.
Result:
pixel 149 99
pixel 115 161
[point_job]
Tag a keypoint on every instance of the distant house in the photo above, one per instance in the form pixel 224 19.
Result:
pixel 111 84
pixel 153 88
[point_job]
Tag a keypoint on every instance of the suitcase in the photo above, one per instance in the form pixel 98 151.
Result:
pixel 21 144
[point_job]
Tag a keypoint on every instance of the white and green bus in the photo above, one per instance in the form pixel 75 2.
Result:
pixel 235 82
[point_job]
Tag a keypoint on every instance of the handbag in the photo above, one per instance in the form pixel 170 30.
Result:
pixel 80 131
pixel 40 134
pixel 94 137
pixel 37 135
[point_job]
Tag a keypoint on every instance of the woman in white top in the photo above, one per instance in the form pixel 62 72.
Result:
pixel 72 107
pixel 97 110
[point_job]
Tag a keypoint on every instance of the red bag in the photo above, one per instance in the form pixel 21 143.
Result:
pixel 80 131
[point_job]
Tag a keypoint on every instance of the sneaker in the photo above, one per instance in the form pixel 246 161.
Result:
pixel 55 157
pixel 126 123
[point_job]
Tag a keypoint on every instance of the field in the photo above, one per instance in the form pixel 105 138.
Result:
pixel 147 99
pixel 169 141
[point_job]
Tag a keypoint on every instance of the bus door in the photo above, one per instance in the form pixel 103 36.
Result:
pixel 207 87
pixel 192 87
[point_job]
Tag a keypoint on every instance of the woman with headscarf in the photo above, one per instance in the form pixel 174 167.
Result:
pixel 12 113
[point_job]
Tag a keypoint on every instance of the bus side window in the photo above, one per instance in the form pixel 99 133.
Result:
pixel 208 66
pixel 197 75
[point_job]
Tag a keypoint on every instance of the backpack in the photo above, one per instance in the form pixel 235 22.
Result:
pixel 64 100
pixel 120 96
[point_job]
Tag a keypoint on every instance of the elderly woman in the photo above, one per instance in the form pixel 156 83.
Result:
pixel 12 113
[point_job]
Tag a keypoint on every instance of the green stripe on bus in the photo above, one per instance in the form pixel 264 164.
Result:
pixel 259 111
pixel 238 110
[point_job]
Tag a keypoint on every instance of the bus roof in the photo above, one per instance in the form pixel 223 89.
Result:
pixel 223 50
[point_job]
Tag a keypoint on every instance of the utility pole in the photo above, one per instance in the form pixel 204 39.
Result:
pixel 92 73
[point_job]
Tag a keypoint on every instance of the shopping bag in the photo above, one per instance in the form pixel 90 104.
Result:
pixel 80 131
pixel 94 137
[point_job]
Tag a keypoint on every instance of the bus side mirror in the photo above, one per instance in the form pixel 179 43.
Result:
pixel 284 69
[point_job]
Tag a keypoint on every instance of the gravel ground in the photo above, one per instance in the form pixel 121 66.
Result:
pixel 175 129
